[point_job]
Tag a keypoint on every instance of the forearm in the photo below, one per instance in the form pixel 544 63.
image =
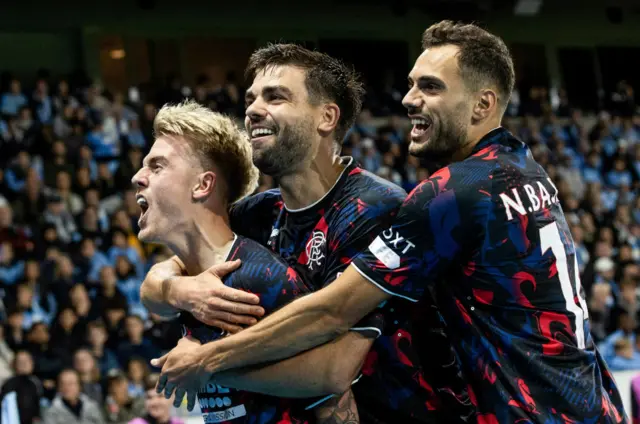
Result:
pixel 155 291
pixel 307 322
pixel 280 335
pixel 316 372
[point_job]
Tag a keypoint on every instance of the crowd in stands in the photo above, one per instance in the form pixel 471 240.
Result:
pixel 74 331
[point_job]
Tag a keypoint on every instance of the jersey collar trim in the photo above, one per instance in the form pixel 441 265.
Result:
pixel 233 245
pixel 491 137
pixel 347 161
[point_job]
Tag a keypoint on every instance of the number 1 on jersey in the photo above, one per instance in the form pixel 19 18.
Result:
pixel 550 239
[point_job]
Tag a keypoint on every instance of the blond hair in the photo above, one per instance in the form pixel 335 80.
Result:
pixel 216 139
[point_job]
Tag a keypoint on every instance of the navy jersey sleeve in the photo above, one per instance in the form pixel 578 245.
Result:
pixel 253 216
pixel 358 223
pixel 428 235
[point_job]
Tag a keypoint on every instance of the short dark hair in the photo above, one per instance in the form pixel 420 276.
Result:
pixel 483 56
pixel 327 78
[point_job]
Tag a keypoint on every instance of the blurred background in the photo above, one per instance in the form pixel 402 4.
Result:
pixel 79 88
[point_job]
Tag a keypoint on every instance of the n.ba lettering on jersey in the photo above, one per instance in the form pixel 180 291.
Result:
pixel 219 404
pixel 537 195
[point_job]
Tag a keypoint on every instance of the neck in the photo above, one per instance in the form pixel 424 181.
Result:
pixel 73 402
pixel 136 339
pixel 474 136
pixel 308 185
pixel 205 243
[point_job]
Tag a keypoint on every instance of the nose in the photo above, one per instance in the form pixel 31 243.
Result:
pixel 411 101
pixel 256 110
pixel 139 180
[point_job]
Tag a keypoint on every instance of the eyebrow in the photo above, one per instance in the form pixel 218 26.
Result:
pixel 155 160
pixel 427 79
pixel 270 89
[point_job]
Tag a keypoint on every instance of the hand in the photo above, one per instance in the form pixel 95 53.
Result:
pixel 207 298
pixel 181 371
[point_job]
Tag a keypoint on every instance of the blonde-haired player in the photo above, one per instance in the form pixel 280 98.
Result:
pixel 199 164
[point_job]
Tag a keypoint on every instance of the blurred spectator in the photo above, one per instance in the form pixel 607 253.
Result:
pixel 625 357
pixel 11 102
pixel 134 343
pixel 120 406
pixel 6 359
pixel 71 406
pixel 137 373
pixel 157 409
pixel 86 366
pixel 97 337
pixel 49 359
pixel 24 390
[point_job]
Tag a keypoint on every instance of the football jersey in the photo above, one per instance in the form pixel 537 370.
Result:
pixel 489 236
pixel 319 242
pixel 276 284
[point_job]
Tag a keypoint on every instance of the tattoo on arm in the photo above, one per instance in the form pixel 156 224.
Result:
pixel 338 410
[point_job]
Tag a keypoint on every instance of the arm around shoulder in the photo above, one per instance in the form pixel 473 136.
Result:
pixel 155 291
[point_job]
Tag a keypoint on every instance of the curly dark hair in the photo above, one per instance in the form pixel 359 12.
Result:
pixel 483 58
pixel 327 79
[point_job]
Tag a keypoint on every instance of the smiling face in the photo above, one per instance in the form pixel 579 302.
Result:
pixel 439 104
pixel 164 185
pixel 281 121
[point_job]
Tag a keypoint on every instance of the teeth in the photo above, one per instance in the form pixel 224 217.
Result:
pixel 261 131
pixel 141 201
pixel 418 121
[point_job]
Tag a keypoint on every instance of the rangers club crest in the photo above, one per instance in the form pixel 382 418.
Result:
pixel 314 249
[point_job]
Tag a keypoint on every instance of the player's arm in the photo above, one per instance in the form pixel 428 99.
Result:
pixel 325 370
pixel 166 291
pixel 338 410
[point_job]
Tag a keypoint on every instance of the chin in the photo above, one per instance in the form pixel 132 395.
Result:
pixel 419 148
pixel 146 236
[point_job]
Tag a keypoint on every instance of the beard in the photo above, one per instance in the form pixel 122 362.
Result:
pixel 292 145
pixel 449 135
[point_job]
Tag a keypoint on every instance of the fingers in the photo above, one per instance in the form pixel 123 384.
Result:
pixel 159 362
pixel 168 390
pixel 226 317
pixel 224 325
pixel 191 400
pixel 177 400
pixel 220 270
pixel 221 304
pixel 240 297
pixel 162 382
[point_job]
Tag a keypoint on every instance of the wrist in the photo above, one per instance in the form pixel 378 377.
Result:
pixel 172 294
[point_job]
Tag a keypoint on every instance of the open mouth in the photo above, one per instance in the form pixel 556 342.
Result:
pixel 261 132
pixel 143 204
pixel 421 127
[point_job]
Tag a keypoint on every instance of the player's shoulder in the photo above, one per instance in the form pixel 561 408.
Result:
pixel 498 154
pixel 371 189
pixel 259 264
pixel 245 248
pixel 266 198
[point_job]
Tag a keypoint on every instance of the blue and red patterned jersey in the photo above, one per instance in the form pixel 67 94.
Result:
pixel 277 284
pixel 489 236
pixel 319 242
